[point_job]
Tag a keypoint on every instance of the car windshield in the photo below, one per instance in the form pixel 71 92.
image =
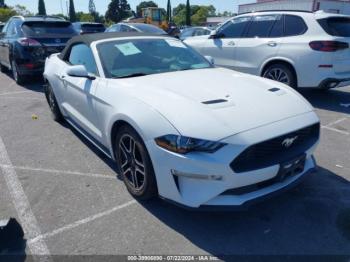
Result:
pixel 138 57
pixel 149 29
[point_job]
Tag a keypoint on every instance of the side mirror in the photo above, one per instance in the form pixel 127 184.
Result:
pixel 79 71
pixel 215 35
pixel 210 59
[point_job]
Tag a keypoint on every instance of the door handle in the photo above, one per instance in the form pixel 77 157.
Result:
pixel 272 44
pixel 231 43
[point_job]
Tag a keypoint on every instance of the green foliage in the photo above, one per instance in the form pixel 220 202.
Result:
pixel 85 17
pixel 188 13
pixel 41 8
pixel 62 15
pixel 199 14
pixel 6 14
pixel 72 14
pixel 144 4
pixel 118 10
pixel 168 12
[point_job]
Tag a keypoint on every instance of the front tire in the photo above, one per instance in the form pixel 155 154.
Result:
pixel 281 73
pixel 51 100
pixel 134 164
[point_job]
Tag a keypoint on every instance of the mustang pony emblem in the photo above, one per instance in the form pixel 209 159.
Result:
pixel 288 142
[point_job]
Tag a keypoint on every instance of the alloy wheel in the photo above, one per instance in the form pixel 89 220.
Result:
pixel 278 74
pixel 132 164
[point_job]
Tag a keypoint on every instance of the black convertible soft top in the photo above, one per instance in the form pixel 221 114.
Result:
pixel 90 38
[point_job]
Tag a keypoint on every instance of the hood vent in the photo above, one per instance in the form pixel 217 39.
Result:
pixel 275 89
pixel 217 101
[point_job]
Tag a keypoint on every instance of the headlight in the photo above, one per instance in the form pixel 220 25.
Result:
pixel 184 145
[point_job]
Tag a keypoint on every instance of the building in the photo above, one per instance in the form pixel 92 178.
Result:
pixel 332 6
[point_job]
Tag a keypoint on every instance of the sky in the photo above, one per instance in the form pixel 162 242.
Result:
pixel 55 6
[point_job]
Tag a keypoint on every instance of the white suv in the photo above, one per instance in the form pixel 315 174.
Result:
pixel 300 49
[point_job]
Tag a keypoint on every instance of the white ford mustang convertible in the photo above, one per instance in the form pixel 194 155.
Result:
pixel 177 126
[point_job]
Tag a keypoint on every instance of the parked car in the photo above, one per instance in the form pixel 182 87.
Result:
pixel 300 49
pixel 194 31
pixel 88 27
pixel 176 125
pixel 136 27
pixel 27 41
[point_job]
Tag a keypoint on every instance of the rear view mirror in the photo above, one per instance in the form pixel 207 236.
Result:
pixel 79 71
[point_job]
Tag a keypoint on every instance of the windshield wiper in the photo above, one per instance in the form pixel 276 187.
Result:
pixel 131 75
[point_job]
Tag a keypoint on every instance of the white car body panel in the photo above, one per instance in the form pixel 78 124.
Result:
pixel 251 55
pixel 155 107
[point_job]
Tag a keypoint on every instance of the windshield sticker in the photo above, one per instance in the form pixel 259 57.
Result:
pixel 128 49
pixel 175 43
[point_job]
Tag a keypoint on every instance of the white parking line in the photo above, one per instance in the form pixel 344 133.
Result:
pixel 336 130
pixel 59 172
pixel 21 203
pixel 336 122
pixel 15 92
pixel 80 222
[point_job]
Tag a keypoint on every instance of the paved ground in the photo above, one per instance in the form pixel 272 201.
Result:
pixel 69 201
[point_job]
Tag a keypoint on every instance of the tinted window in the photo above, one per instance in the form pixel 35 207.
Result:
pixel 82 55
pixel 124 28
pixel 93 28
pixel 336 26
pixel 277 29
pixel 234 28
pixel 11 29
pixel 187 32
pixel 114 28
pixel 294 25
pixel 48 28
pixel 261 26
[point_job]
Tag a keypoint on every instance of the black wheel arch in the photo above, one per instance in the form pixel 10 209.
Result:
pixel 280 61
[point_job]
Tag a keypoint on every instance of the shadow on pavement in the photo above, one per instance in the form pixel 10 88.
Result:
pixel 12 242
pixel 329 100
pixel 311 219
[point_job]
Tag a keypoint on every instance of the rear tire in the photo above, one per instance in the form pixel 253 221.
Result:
pixel 51 100
pixel 17 76
pixel 281 73
pixel 134 164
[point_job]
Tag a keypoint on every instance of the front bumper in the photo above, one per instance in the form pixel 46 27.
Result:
pixel 203 178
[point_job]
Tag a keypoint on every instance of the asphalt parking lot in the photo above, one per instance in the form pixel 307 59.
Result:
pixel 66 197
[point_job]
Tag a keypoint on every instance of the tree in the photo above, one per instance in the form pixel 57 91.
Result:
pixel 72 14
pixel 168 12
pixel 6 13
pixel 85 17
pixel 41 8
pixel 92 7
pixel 22 10
pixel 144 4
pixel 118 10
pixel 199 14
pixel 188 13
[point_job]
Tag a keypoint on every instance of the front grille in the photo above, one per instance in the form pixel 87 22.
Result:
pixel 273 152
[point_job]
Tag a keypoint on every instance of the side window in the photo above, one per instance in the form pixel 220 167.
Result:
pixel 187 33
pixel 201 31
pixel 234 28
pixel 81 54
pixel 294 25
pixel 277 29
pixel 11 29
pixel 261 26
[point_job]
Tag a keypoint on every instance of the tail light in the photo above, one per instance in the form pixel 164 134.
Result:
pixel 328 46
pixel 28 42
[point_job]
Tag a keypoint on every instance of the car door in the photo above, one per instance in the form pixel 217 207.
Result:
pixel 222 46
pixel 80 92
pixel 260 43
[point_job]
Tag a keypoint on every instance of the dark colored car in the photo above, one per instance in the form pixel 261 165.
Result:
pixel 25 42
pixel 88 27
pixel 136 27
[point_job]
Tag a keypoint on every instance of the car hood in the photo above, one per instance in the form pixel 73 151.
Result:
pixel 215 103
